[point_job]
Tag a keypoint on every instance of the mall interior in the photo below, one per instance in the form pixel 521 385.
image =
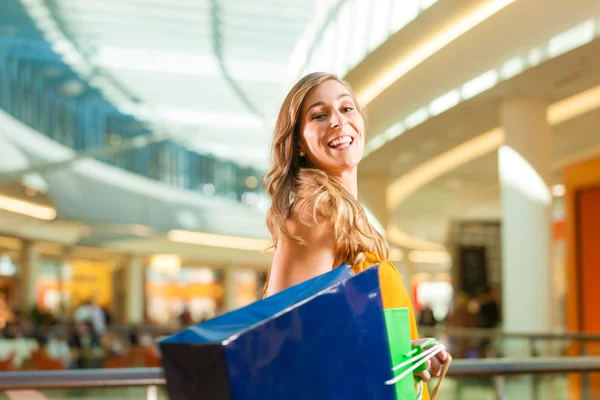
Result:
pixel 135 135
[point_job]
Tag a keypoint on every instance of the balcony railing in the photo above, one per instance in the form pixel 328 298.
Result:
pixel 152 378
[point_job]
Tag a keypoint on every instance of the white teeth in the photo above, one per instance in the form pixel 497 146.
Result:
pixel 342 140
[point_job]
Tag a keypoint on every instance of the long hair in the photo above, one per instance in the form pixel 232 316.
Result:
pixel 299 189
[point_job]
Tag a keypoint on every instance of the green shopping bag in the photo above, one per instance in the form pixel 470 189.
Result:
pixel 407 360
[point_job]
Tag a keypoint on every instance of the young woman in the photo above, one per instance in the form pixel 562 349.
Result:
pixel 315 219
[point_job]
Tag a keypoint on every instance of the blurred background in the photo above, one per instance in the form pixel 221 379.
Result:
pixel 134 136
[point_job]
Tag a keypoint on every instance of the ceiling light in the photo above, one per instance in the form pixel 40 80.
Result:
pixel 394 131
pixel 27 208
pixel 558 190
pixel 573 38
pixel 168 264
pixel 406 64
pixel 574 106
pixel 374 144
pixel 444 102
pixel 512 67
pixel 535 57
pixel 214 240
pixel 416 118
pixel 479 85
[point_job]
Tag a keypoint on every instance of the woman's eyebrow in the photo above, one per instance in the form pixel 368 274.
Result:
pixel 322 103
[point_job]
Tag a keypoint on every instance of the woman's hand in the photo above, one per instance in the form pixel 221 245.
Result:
pixel 434 364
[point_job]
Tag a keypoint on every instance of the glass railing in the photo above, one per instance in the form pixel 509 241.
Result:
pixel 40 90
pixel 467 379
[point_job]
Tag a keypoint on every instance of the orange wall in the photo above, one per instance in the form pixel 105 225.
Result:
pixel 582 199
pixel 589 257
pixel 578 178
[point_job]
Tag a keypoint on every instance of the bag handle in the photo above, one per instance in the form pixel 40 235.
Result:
pixel 435 392
pixel 417 361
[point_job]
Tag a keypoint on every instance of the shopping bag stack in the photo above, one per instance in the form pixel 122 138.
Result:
pixel 326 338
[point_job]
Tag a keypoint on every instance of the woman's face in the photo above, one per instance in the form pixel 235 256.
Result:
pixel 332 129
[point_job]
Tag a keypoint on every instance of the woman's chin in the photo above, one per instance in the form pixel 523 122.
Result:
pixel 342 167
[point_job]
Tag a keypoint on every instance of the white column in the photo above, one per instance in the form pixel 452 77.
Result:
pixel 230 288
pixel 62 266
pixel 28 272
pixel 525 171
pixel 134 290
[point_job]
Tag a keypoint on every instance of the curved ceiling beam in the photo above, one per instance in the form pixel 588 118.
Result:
pixel 431 46
pixel 407 184
pixel 217 36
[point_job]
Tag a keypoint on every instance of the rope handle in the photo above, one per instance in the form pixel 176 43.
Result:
pixel 442 376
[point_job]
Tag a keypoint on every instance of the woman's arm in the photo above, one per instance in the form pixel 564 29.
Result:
pixel 295 263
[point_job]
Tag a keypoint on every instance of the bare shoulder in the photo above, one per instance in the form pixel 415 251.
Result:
pixel 295 262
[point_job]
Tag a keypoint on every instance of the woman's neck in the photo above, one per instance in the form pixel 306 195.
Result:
pixel 350 181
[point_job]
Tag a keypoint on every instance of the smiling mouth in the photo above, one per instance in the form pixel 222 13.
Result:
pixel 341 142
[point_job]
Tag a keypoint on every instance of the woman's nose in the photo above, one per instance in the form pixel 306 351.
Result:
pixel 336 120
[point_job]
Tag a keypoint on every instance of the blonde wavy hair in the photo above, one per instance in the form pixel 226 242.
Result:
pixel 302 190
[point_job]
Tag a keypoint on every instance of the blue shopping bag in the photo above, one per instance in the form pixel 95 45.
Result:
pixel 322 339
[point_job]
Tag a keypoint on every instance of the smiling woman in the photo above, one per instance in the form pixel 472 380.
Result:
pixel 315 219
pixel 332 131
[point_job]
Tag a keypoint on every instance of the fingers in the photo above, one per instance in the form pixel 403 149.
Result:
pixel 425 376
pixel 438 362
pixel 436 366
pixel 443 356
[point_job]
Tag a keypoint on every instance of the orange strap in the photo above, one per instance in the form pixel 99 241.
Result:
pixel 442 376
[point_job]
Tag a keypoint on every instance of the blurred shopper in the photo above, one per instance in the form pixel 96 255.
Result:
pixel 315 218
pixel 88 311
pixel 489 309
pixel 57 347
pixel 488 318
pixel 426 317
pixel 185 318
pixel 461 316
pixel 86 345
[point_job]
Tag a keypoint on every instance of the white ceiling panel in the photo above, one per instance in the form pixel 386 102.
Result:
pixel 164 53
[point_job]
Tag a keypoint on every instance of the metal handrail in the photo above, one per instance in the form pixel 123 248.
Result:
pixel 154 376
pixel 499 334
pixel 85 378
pixel 533 366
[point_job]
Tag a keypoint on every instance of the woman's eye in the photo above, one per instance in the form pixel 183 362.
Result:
pixel 347 109
pixel 318 116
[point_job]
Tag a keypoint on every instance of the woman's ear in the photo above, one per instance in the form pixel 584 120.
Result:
pixel 301 152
